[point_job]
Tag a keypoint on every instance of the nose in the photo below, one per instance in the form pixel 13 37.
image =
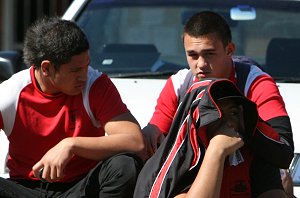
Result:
pixel 234 124
pixel 229 124
pixel 201 62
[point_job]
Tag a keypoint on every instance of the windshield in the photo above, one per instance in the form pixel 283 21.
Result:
pixel 138 37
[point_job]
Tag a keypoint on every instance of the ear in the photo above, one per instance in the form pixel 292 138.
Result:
pixel 45 67
pixel 230 49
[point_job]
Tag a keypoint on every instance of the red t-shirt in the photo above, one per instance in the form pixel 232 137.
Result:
pixel 34 121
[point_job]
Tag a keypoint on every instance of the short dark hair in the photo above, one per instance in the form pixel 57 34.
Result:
pixel 206 22
pixel 53 39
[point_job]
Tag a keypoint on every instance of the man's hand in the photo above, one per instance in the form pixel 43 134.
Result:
pixel 287 182
pixel 153 138
pixel 227 144
pixel 54 162
pixel 225 138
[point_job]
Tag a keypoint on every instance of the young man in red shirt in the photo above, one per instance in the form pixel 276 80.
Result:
pixel 56 115
pixel 209 52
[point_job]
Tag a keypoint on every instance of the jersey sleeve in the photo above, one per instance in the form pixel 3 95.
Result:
pixel 105 100
pixel 165 109
pixel 264 92
pixel 273 138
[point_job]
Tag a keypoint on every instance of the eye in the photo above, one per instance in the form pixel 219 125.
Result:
pixel 193 56
pixel 234 113
pixel 76 70
pixel 209 54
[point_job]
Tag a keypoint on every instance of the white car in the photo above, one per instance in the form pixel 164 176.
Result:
pixel 138 44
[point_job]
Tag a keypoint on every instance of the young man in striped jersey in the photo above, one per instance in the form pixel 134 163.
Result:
pixel 209 52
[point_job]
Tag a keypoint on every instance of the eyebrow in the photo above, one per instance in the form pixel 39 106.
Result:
pixel 202 51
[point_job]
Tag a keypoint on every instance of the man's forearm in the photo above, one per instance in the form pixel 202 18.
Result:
pixel 99 148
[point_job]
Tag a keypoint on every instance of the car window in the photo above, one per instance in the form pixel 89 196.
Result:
pixel 159 24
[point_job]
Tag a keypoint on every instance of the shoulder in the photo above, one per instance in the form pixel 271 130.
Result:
pixel 264 84
pixel 10 91
pixel 247 65
pixel 254 73
pixel 98 85
pixel 12 87
pixel 93 74
pixel 182 79
pixel 180 76
pixel 247 73
pixel 97 79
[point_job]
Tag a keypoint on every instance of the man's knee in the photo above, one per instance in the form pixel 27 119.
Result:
pixel 118 176
pixel 126 166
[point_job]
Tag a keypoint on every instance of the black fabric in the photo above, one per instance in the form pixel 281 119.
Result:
pixel 31 188
pixel 264 176
pixel 185 154
pixel 283 126
pixel 11 189
pixel 174 162
pixel 228 89
pixel 112 178
pixel 282 154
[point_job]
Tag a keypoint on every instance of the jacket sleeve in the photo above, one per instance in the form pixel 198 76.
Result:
pixel 273 141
